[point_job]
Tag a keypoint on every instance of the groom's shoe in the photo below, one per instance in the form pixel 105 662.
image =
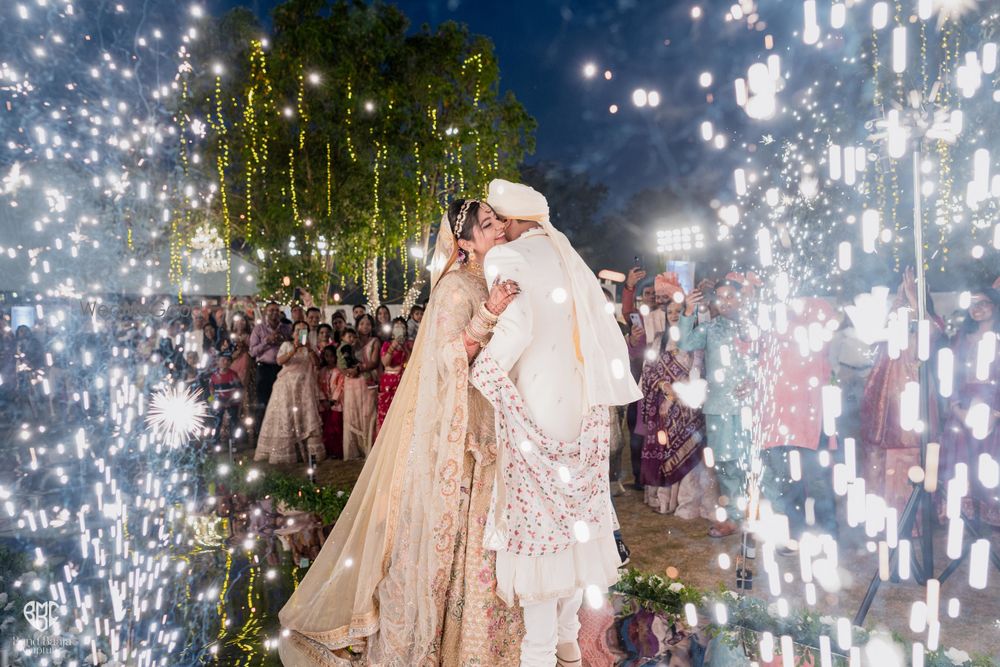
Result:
pixel 623 551
pixel 568 655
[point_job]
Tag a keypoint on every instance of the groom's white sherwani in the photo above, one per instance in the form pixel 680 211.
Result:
pixel 534 341
pixel 556 363
pixel 550 520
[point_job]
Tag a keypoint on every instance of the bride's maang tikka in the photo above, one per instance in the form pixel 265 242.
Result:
pixel 462 214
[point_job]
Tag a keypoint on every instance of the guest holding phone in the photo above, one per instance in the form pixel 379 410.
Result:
pixel 647 323
pixel 361 390
pixel 265 340
pixel 651 314
pixel 292 428
pixel 395 355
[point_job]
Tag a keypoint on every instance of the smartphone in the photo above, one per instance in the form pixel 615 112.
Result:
pixel 636 319
pixel 303 336
pixel 637 261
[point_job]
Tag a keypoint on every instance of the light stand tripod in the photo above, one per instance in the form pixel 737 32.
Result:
pixel 920 504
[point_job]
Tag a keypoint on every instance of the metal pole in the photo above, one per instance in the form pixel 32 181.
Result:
pixel 918 239
pixel 926 517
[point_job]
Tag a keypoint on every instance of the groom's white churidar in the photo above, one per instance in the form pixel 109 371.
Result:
pixel 556 362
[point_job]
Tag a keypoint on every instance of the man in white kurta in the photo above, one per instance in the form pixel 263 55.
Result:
pixel 555 364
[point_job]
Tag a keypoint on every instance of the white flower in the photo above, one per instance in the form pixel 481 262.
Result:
pixel 676 587
pixel 957 657
pixel 638 580
pixel 828 620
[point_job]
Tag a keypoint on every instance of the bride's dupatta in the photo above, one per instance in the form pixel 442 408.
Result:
pixel 380 582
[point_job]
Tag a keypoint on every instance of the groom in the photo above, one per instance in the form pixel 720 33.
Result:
pixel 556 363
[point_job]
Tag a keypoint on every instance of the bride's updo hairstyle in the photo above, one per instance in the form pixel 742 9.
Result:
pixel 463 216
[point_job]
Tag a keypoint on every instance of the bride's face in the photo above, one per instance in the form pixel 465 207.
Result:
pixel 487 233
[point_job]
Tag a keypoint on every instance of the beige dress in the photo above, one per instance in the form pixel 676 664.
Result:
pixel 292 428
pixel 361 407
pixel 403 578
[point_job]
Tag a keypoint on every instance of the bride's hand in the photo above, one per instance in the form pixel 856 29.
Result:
pixel 501 295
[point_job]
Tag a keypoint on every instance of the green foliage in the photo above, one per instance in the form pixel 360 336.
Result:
pixel 342 138
pixel 575 203
pixel 291 490
pixel 658 594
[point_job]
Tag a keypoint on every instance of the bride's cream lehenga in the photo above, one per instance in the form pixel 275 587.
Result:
pixel 403 578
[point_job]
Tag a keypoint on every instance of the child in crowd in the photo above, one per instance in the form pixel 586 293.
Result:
pixel 193 376
pixel 331 411
pixel 225 388
pixel 346 356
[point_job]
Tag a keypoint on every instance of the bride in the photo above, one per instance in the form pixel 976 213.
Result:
pixel 404 579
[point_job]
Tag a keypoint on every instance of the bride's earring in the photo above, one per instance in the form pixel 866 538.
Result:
pixel 471 254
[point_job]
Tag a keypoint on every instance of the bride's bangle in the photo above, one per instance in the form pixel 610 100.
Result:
pixel 487 315
pixel 473 338
pixel 481 325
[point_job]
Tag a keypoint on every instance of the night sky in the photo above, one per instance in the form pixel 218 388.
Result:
pixel 542 47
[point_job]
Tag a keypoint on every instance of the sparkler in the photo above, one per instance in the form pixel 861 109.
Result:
pixel 827 176
pixel 90 194
pixel 177 414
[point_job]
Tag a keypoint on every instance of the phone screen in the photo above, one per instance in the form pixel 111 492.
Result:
pixel 303 336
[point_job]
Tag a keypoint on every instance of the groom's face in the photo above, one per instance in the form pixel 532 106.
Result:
pixel 513 228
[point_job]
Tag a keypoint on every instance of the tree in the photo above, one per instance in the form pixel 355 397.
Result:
pixel 634 226
pixel 336 143
pixel 575 203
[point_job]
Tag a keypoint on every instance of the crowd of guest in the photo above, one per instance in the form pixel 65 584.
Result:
pixel 322 389
pixel 733 404
pixel 283 380
pixel 724 410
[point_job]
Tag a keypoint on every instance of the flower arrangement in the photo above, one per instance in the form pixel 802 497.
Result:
pixel 291 491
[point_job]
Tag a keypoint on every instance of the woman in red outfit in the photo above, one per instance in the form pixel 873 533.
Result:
pixel 395 355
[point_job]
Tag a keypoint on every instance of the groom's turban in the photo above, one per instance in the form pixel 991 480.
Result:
pixel 514 200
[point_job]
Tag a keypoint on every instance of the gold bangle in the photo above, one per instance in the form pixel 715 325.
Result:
pixel 488 317
pixel 475 336
pixel 480 326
